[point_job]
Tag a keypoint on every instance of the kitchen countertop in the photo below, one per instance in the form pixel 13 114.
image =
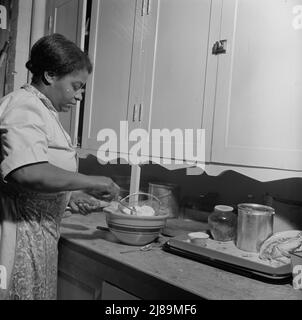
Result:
pixel 194 277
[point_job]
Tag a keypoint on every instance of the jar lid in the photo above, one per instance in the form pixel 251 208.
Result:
pixel 223 208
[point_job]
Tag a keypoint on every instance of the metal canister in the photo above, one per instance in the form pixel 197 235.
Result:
pixel 254 226
pixel 168 195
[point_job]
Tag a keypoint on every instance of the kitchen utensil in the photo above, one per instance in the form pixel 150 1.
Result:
pixel 167 193
pixel 255 225
pixel 147 247
pixel 122 203
pixel 157 244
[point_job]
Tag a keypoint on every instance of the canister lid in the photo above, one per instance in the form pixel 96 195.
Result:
pixel 223 208
pixel 255 209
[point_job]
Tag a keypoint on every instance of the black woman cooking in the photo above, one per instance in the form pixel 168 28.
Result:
pixel 38 168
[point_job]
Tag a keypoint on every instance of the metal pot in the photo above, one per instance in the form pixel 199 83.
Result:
pixel 254 226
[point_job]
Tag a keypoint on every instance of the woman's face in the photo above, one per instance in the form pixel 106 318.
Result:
pixel 65 92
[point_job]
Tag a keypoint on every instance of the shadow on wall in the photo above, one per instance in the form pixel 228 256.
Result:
pixel 229 188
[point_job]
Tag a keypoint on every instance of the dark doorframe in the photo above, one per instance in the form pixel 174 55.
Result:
pixel 8 32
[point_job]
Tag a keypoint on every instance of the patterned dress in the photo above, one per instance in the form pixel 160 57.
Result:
pixel 37 218
pixel 29 221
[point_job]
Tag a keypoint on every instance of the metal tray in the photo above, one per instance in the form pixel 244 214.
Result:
pixel 227 256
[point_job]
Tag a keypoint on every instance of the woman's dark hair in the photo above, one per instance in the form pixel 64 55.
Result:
pixel 58 56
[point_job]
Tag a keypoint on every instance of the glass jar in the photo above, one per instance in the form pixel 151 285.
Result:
pixel 223 223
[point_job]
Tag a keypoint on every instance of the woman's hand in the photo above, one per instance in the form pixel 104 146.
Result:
pixel 104 188
pixel 83 203
pixel 97 196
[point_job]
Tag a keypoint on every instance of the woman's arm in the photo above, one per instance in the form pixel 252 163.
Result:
pixel 46 177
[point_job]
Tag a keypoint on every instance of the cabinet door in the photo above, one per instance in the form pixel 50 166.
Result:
pixel 74 289
pixel 68 17
pixel 257 119
pixel 114 46
pixel 175 77
pixel 111 292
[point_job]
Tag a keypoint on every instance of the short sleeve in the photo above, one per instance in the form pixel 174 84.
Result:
pixel 23 137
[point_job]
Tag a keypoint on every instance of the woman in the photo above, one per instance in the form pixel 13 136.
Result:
pixel 38 167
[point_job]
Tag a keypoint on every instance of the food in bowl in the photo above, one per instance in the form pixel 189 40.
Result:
pixel 140 204
pixel 146 211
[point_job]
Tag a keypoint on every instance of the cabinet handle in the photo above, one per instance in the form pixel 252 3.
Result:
pixel 143 7
pixel 49 25
pixel 140 113
pixel 134 113
pixel 149 7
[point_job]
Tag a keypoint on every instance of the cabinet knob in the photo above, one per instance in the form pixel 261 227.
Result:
pixel 149 7
pixel 143 7
pixel 140 113
pixel 134 113
pixel 50 25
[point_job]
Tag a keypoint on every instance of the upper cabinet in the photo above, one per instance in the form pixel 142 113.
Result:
pixel 150 59
pixel 114 47
pixel 257 115
pixel 173 94
pixel 230 67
